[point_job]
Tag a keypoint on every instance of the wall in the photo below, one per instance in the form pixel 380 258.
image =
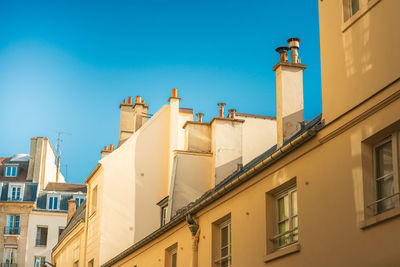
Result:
pixel 53 220
pixel 358 61
pixel 197 137
pixel 72 248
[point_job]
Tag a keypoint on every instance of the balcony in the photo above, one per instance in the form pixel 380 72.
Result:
pixel 11 231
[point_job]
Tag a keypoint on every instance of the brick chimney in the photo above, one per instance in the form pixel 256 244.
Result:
pixel 71 208
pixel 289 92
pixel 133 116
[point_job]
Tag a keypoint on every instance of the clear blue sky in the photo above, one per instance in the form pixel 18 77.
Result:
pixel 66 65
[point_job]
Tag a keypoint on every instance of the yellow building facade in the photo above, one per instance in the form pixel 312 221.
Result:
pixel 327 195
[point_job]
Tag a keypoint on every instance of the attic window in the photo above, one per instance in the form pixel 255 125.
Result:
pixel 11 171
pixel 163 204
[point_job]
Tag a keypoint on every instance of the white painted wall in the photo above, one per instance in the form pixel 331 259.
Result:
pixel 258 136
pixel 50 167
pixel 53 220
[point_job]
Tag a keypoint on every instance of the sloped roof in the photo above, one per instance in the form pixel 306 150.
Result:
pixel 22 170
pixel 66 187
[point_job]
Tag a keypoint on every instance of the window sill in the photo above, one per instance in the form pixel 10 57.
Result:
pixel 282 252
pixel 368 222
pixel 358 14
pixel 41 246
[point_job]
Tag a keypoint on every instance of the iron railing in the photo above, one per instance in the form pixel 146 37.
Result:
pixel 8 230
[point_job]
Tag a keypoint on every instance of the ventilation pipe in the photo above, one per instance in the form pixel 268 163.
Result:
pixel 294 45
pixel 221 109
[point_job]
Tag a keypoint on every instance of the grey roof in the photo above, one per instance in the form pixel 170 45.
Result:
pixel 29 192
pixel 66 187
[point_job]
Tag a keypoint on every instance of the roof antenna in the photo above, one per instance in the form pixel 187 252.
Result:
pixel 58 152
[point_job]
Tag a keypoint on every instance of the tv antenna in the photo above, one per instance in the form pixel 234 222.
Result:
pixel 58 151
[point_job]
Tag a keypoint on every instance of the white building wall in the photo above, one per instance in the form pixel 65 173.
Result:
pixel 50 168
pixel 53 220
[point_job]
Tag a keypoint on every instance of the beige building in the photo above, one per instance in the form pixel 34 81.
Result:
pixel 33 205
pixel 326 195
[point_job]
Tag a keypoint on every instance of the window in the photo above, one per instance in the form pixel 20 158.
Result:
pixel 60 229
pixel 350 7
pixel 9 257
pixel 39 260
pixel 15 193
pixel 41 236
pixel 286 219
pixel 163 204
pixel 91 263
pixel 171 256
pixel 79 201
pixel 12 225
pixel 76 264
pixel 94 199
pixel 222 252
pixel 53 202
pixel 11 171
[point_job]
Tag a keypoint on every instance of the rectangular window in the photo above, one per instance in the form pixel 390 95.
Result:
pixel 171 256
pixel 16 193
pixel 79 201
pixel 350 7
pixel 12 225
pixel 60 229
pixel 53 202
pixel 39 260
pixel 222 251
pixel 91 263
pixel 9 257
pixel 76 264
pixel 11 171
pixel 286 219
pixel 41 236
pixel 94 199
pixel 164 210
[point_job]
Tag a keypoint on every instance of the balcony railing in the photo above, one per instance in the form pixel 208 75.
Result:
pixel 14 198
pixel 11 230
pixel 9 265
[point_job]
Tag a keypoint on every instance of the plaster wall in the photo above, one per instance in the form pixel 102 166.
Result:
pixel 53 221
pixel 198 137
pixel 258 136
pixel 360 59
pixel 329 181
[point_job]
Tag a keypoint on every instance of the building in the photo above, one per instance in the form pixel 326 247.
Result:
pixel 324 193
pixel 33 203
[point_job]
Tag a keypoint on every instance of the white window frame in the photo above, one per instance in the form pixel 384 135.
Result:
pixel 174 252
pixel 53 195
pixel 14 225
pixel 16 185
pixel 37 261
pixel 228 257
pixel 395 163
pixel 164 215
pixel 79 199
pixel 11 166
pixel 4 256
pixel 287 192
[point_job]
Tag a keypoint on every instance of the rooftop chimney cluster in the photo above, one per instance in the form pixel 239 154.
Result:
pixel 111 148
pixel 294 45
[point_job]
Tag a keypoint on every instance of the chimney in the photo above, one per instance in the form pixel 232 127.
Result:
pixel 289 92
pixel 107 151
pixel 221 109
pixel 133 116
pixel 232 113
pixel 71 208
pixel 200 117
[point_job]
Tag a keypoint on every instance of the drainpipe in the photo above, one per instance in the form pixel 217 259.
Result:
pixel 194 229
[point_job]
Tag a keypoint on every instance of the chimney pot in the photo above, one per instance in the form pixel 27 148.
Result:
pixel 124 101
pixel 105 148
pixel 111 147
pixel 71 208
pixel 130 100
pixel 221 109
pixel 200 117
pixel 232 113
pixel 143 102
pixel 282 50
pixel 174 92
pixel 294 44
pixel 138 99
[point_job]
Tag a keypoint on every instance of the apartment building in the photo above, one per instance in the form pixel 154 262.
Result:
pixel 33 208
pixel 322 193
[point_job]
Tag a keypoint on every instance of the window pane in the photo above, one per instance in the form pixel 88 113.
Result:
pixel 283 208
pixel 385 188
pixel 55 202
pixel 294 203
pixel 283 227
pixel 354 6
pixel 224 236
pixel 173 260
pixel 384 163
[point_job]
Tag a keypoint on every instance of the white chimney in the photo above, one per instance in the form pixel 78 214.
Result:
pixel 289 92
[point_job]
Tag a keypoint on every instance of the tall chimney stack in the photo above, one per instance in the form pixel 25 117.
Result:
pixel 232 113
pixel 200 117
pixel 71 208
pixel 289 92
pixel 133 116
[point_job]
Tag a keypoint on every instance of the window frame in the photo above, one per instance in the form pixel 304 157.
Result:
pixel 12 167
pixel 53 195
pixel 286 192
pixel 227 223
pixel 16 225
pixel 363 7
pixel 38 237
pixel 11 253
pixel 20 186
pixel 93 200
pixel 40 258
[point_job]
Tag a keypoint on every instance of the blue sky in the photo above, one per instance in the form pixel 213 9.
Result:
pixel 66 65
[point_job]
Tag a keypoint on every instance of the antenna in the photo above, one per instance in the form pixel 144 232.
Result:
pixel 58 151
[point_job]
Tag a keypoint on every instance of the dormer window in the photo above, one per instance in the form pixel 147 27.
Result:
pixel 15 192
pixel 53 202
pixel 164 211
pixel 10 171
pixel 79 200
